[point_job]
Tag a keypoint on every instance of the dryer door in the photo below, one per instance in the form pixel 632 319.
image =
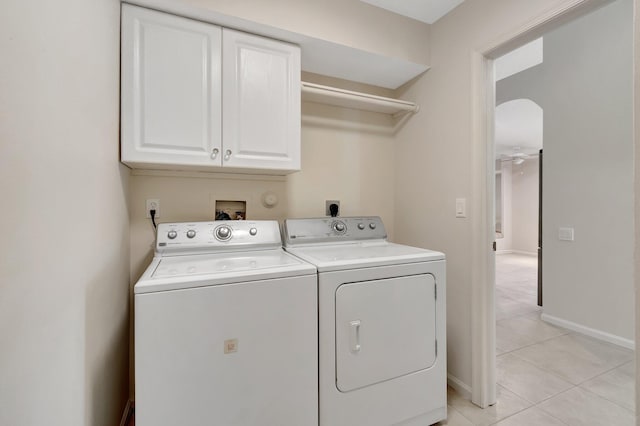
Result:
pixel 384 329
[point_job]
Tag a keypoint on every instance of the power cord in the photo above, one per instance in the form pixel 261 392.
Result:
pixel 152 213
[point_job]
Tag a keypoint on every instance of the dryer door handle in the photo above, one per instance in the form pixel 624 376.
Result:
pixel 354 336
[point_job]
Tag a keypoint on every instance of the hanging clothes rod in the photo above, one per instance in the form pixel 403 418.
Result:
pixel 312 92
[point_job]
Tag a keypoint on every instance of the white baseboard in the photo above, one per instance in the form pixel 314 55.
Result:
pixel 459 386
pixel 591 332
pixel 125 414
pixel 525 253
pixel 504 251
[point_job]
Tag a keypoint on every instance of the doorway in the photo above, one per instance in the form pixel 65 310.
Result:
pixel 483 390
pixel 518 143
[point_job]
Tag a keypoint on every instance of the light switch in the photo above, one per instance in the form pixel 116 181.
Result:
pixel 565 234
pixel 461 207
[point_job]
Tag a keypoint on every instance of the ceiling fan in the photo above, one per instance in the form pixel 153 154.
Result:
pixel 517 157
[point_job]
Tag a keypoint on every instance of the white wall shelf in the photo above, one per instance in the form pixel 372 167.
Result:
pixel 312 92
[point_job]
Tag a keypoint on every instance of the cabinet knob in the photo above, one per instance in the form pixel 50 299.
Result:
pixel 214 153
pixel 227 155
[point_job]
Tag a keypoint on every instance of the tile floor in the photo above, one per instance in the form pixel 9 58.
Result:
pixel 547 375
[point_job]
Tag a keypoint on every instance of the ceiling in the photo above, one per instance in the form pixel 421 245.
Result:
pixel 518 123
pixel 520 59
pixel 428 11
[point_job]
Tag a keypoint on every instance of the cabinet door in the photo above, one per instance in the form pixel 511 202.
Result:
pixel 171 90
pixel 261 99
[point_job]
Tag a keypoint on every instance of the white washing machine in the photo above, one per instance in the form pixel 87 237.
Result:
pixel 225 329
pixel 382 331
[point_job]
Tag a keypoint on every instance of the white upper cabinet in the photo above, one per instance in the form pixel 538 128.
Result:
pixel 195 96
pixel 261 99
pixel 171 97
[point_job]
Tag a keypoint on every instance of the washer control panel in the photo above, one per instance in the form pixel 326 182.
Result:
pixel 332 229
pixel 214 236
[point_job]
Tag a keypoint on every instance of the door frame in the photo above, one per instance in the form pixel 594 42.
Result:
pixel 483 326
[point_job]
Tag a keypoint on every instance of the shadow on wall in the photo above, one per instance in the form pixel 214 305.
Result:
pixel 106 350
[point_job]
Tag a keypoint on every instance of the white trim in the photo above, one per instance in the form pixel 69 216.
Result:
pixel 483 329
pixel 504 252
pixel 524 253
pixel 459 386
pixel 591 332
pixel 125 414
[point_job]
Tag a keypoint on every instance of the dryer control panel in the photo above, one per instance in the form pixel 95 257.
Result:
pixel 215 236
pixel 332 230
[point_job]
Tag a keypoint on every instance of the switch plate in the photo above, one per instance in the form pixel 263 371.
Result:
pixel 461 207
pixel 327 203
pixel 153 204
pixel 565 234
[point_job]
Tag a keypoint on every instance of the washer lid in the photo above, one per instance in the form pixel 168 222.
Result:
pixel 189 271
pixel 336 257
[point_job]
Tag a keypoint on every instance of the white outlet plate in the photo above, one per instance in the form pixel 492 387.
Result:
pixel 566 234
pixel 152 204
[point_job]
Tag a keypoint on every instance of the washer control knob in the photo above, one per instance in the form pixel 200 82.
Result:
pixel 372 225
pixel 172 234
pixel 339 227
pixel 361 226
pixel 191 233
pixel 223 233
pixel 253 231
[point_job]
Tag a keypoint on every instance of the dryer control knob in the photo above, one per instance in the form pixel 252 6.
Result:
pixel 172 235
pixel 191 233
pixel 361 226
pixel 223 233
pixel 253 231
pixel 339 227
pixel 372 225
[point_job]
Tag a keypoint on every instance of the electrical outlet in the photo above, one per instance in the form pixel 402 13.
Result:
pixel 153 204
pixel 327 205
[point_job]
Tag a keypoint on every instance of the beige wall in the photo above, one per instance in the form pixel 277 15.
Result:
pixel 506 242
pixel 524 207
pixel 434 154
pixel 65 253
pixel 346 155
pixel 520 205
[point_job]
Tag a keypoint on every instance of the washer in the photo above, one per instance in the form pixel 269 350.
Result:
pixel 382 331
pixel 225 329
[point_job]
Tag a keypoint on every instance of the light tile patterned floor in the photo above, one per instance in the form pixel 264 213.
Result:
pixel 547 375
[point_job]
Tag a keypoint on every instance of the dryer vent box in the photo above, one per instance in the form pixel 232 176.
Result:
pixel 230 210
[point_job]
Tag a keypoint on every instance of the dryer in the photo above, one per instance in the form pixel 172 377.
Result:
pixel 382 331
pixel 225 329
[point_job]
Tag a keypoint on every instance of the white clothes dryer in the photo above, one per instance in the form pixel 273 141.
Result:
pixel 225 329
pixel 382 331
